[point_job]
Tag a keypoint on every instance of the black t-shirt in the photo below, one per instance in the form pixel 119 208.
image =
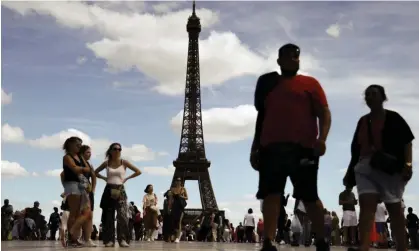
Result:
pixel 54 219
pixel 412 220
pixel 347 196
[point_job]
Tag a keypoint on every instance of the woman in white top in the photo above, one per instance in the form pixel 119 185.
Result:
pixel 249 225
pixel 150 211
pixel 114 197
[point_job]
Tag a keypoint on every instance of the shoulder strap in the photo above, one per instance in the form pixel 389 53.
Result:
pixel 370 136
pixel 265 84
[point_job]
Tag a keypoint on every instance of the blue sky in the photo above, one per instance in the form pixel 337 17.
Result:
pixel 115 72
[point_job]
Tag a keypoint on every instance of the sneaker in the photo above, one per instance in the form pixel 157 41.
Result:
pixel 110 245
pixel 282 243
pixel 90 243
pixel 123 244
pixel 177 240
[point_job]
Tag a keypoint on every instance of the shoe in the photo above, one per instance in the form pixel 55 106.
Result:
pixel 90 244
pixel 177 240
pixel 282 243
pixel 76 244
pixel 268 246
pixel 123 244
pixel 322 245
pixel 148 239
pixel 110 245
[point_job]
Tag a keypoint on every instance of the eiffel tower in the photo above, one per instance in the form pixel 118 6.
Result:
pixel 191 163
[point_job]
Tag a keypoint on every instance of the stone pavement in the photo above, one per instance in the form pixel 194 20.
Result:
pixel 146 246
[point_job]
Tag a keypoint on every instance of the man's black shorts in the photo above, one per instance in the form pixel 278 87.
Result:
pixel 279 161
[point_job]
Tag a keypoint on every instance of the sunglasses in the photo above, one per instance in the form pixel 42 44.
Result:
pixel 116 149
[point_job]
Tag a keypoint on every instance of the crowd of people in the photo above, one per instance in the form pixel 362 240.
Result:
pixel 292 128
pixel 295 230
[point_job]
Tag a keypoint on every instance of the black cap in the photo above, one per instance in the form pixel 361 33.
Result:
pixel 289 49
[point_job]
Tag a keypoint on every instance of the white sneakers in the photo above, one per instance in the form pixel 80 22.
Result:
pixel 90 243
pixel 177 240
pixel 123 244
pixel 110 245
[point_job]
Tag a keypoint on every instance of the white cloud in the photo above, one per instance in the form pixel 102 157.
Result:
pixel 12 134
pixel 144 41
pixel 12 169
pixel 35 174
pixel 56 203
pixel 165 7
pixel 223 125
pixel 54 173
pixel 333 30
pixel 5 98
pixel 159 171
pixel 81 60
pixel 135 152
pixel 118 84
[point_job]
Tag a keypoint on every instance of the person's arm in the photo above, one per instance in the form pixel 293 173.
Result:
pixel 355 201
pixel 408 153
pixel 94 179
pixel 62 178
pixel 100 169
pixel 258 103
pixel 286 200
pixel 144 202
pixel 322 111
pixel 133 168
pixel 349 178
pixel 68 161
pixel 341 201
pixel 185 194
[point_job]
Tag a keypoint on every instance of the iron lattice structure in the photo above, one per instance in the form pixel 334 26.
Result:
pixel 192 163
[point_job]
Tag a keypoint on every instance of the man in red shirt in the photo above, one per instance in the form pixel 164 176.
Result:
pixel 288 141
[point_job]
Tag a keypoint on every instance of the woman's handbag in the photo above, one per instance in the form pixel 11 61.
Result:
pixel 381 160
pixel 154 208
pixel 116 193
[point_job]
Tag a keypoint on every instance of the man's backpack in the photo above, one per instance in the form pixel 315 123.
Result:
pixel 265 84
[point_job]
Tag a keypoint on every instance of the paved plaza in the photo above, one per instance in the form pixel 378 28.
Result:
pixel 147 246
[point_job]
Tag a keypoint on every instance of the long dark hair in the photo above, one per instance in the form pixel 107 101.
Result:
pixel 69 141
pixel 147 188
pixel 108 152
pixel 83 149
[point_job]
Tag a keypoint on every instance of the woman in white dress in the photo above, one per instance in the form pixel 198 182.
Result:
pixel 150 212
